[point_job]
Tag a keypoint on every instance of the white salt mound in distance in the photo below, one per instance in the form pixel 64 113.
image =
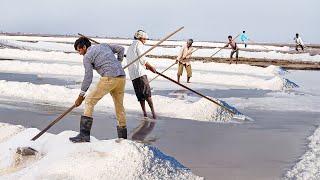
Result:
pixel 106 159
pixel 208 111
pixel 276 70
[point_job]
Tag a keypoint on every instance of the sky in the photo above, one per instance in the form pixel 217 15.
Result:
pixel 204 20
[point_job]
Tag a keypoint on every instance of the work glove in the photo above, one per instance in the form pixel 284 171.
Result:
pixel 79 100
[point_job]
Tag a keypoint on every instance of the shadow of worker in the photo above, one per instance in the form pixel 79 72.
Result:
pixel 141 132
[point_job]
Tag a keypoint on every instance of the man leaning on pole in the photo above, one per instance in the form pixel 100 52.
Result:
pixel 101 58
pixel 137 71
pixel 184 60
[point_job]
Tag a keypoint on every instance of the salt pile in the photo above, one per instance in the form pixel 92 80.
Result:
pixel 207 111
pixel 101 159
pixel 309 165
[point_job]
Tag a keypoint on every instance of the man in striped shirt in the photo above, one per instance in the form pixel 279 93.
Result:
pixel 102 59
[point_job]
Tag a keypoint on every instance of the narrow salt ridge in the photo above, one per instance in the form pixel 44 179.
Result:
pixel 39 55
pixel 40 45
pixel 242 76
pixel 279 101
pixel 203 110
pixel 101 159
pixel 225 53
pixel 308 167
pixel 129 41
pixel 59 57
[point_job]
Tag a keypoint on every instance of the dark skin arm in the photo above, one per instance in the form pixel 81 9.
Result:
pixel 79 100
pixel 150 68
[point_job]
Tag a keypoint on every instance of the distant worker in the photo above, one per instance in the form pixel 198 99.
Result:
pixel 299 42
pixel 234 48
pixel 184 60
pixel 244 38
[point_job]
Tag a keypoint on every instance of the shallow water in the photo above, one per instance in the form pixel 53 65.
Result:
pixel 263 149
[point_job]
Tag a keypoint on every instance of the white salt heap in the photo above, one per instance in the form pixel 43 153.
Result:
pixel 308 167
pixel 101 159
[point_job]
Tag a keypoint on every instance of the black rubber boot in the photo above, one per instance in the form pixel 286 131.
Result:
pixel 85 128
pixel 122 132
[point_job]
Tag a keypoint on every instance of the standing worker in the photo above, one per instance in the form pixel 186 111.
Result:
pixel 184 60
pixel 234 48
pixel 137 71
pixel 299 42
pixel 244 38
pixel 101 58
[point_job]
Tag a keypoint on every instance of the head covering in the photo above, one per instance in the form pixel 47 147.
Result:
pixel 190 41
pixel 141 34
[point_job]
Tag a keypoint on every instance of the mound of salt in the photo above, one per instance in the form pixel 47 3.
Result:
pixel 276 70
pixel 61 159
pixel 279 83
pixel 207 111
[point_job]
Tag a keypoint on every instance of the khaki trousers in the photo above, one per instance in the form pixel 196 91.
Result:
pixel 113 85
pixel 188 69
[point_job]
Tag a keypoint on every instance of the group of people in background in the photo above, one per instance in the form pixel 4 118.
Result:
pixel 101 58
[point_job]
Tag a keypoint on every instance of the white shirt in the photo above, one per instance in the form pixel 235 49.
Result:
pixel 136 69
pixel 299 41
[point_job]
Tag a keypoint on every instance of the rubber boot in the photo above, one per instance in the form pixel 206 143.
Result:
pixel 122 132
pixel 85 128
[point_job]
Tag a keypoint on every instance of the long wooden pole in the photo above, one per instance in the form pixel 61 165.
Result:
pixel 150 49
pixel 53 123
pixel 73 106
pixel 223 47
pixel 163 71
pixel 169 67
pixel 229 110
pixel 88 38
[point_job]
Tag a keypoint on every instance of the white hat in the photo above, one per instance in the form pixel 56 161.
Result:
pixel 141 34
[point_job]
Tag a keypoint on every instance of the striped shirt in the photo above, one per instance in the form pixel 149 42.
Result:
pixel 102 59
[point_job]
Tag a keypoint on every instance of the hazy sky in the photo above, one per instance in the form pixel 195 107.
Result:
pixel 264 20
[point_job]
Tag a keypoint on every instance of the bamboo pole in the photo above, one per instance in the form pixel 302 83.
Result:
pixel 73 106
pixel 154 46
pixel 223 46
pixel 169 67
pixel 88 38
pixel 53 123
pixel 215 102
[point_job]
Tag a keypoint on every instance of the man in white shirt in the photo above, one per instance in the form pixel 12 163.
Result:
pixel 137 71
pixel 299 42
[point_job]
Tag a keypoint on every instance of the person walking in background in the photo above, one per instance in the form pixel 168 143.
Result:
pixel 137 71
pixel 244 38
pixel 184 60
pixel 234 48
pixel 102 58
pixel 299 42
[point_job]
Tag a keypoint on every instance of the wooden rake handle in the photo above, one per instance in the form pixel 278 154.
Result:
pixel 53 123
pixel 154 46
pixel 215 102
